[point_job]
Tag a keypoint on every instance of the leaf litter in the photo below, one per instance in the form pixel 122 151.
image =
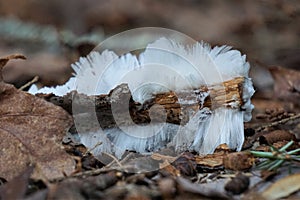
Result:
pixel 32 130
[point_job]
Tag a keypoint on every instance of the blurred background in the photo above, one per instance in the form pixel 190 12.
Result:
pixel 53 34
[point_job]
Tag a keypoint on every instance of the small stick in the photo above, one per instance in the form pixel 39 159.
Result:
pixel 90 150
pixel 178 106
pixel 93 172
pixel 35 79
pixel 283 121
pixel 114 160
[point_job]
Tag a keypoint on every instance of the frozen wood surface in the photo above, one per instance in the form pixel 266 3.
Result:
pixel 172 107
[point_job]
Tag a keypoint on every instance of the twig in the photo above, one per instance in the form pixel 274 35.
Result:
pixel 127 157
pixel 114 160
pixel 82 174
pixel 177 105
pixel 35 79
pixel 93 172
pixel 283 121
pixel 90 150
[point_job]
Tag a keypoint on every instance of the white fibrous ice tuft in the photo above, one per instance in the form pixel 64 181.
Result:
pixel 164 66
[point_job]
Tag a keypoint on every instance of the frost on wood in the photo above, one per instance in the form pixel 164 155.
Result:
pixel 212 83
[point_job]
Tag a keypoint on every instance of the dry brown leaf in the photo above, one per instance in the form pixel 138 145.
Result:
pixel 287 84
pixel 31 131
pixel 211 160
pixel 276 136
pixel 282 188
pixel 238 161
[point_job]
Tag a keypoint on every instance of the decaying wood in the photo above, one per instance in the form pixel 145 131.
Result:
pixel 178 107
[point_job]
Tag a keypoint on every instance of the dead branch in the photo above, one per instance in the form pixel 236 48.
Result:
pixel 178 106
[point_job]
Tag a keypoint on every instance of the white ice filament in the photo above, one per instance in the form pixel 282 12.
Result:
pixel 165 66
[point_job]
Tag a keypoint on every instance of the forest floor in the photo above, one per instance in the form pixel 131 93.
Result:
pixel 38 160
